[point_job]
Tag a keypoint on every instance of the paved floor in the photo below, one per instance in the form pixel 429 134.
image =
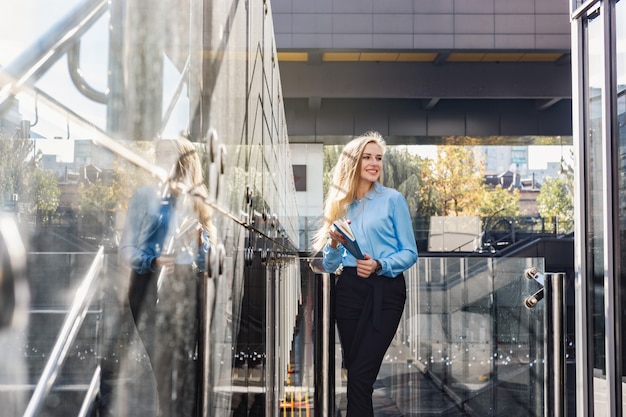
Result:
pixel 406 393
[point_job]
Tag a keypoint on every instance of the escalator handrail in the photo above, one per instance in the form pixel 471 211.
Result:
pixel 68 333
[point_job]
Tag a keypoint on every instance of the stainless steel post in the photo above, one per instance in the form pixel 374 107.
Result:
pixel 325 348
pixel 554 342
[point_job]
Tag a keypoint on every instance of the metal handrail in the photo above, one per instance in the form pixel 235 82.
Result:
pixel 554 337
pixel 92 394
pixel 40 56
pixel 324 399
pixel 66 337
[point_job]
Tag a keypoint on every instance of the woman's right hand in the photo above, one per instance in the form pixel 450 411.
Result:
pixel 335 238
pixel 165 262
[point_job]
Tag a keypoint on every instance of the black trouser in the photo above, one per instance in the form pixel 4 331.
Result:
pixel 169 335
pixel 367 311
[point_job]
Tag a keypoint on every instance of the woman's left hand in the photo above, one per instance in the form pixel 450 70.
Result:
pixel 365 267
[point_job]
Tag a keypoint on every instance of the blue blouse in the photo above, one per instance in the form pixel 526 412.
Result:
pixel 381 223
pixel 151 222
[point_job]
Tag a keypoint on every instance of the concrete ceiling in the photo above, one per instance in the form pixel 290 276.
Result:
pixel 426 97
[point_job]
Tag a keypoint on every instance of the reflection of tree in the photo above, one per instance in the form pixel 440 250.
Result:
pixel 100 199
pixel 45 194
pixel 15 166
pixel 19 175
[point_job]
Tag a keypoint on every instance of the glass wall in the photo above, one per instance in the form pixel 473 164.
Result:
pixel 598 45
pixel 144 162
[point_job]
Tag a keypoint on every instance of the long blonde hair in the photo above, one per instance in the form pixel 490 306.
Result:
pixel 188 176
pixel 342 190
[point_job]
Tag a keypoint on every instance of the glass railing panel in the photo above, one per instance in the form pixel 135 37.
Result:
pixel 504 364
pixel 60 283
pixel 467 344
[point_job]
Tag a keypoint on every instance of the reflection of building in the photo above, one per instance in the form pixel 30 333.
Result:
pixel 53 163
pixel 87 153
pixel 10 117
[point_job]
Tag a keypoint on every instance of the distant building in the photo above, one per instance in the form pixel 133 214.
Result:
pixel 553 170
pixel 502 158
pixel 528 189
pixel 87 153
pixel 507 179
pixel 528 202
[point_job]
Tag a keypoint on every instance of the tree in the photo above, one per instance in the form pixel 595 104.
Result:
pixel 452 185
pixel 556 201
pixel 114 192
pixel 99 196
pixel 500 202
pixel 15 166
pixel 45 194
pixel 402 172
pixel 331 156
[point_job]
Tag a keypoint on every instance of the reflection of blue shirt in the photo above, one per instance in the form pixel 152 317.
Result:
pixel 381 223
pixel 151 221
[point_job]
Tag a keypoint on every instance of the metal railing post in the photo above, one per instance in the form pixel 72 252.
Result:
pixel 554 341
pixel 325 347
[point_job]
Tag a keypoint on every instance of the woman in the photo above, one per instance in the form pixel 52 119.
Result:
pixel 369 294
pixel 165 243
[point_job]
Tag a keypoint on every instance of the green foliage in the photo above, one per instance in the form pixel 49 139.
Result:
pixel 401 171
pixel 15 166
pixel 331 156
pixel 99 196
pixel 452 185
pixel 556 201
pixel 114 192
pixel 500 202
pixel 45 193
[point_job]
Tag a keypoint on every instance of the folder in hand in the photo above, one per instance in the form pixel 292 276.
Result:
pixel 351 244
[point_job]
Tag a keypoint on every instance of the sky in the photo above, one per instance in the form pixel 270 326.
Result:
pixel 539 156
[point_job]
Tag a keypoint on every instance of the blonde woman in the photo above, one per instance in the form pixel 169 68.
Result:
pixel 165 243
pixel 369 293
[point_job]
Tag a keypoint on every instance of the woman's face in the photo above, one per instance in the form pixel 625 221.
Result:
pixel 371 162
